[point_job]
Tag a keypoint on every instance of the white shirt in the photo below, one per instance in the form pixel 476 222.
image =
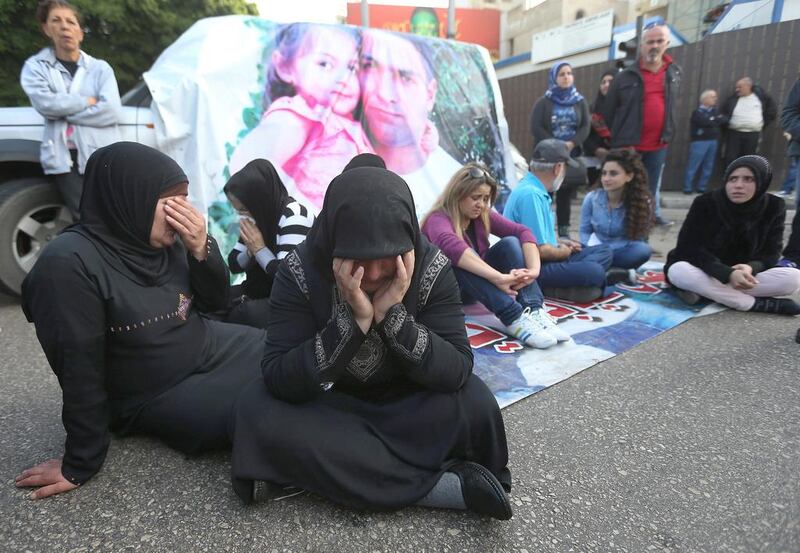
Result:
pixel 428 182
pixel 747 116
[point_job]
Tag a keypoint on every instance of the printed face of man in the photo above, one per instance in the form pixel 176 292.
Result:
pixel 397 94
pixel 655 42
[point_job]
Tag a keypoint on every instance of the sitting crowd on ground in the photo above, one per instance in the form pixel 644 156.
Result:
pixel 341 365
pixel 362 339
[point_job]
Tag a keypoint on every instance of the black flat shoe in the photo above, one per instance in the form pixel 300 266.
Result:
pixel 483 493
pixel 616 275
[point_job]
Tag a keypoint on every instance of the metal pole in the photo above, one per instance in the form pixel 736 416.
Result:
pixel 364 13
pixel 451 19
pixel 639 26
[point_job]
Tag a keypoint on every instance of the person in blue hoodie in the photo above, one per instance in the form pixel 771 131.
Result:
pixel 705 132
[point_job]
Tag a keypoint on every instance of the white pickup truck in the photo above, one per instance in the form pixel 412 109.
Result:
pixel 31 212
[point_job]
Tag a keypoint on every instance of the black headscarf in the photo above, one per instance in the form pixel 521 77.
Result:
pixel 259 187
pixel 121 188
pixel 365 160
pixel 368 213
pixel 741 218
pixel 599 102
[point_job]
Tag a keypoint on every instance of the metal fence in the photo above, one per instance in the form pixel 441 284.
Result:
pixel 769 54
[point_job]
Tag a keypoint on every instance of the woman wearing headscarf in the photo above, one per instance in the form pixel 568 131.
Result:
pixel 563 113
pixel 598 143
pixel 115 303
pixel 368 395
pixel 730 243
pixel 271 224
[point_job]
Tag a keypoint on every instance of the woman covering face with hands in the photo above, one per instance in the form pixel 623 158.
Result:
pixel 271 224
pixel 115 302
pixel 368 369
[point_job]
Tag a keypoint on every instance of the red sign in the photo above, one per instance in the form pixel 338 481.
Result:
pixel 475 26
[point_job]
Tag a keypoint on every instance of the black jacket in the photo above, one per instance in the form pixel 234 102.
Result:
pixel 625 103
pixel 707 241
pixel 769 111
pixel 790 118
pixel 705 124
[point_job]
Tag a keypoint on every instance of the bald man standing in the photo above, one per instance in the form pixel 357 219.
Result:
pixel 640 104
pixel 749 109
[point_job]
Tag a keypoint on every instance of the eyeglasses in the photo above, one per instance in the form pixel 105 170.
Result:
pixel 478 173
pixel 653 25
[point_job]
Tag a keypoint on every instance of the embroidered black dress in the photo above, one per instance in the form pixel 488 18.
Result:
pixel 369 421
pixel 129 349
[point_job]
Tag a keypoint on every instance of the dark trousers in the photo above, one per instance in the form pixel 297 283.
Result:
pixel 70 186
pixel 504 256
pixel 738 144
pixel 702 155
pixel 654 165
pixel 195 414
pixel 564 204
pixel 586 268
pixel 792 251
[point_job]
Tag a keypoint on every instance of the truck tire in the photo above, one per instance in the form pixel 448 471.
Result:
pixel 31 215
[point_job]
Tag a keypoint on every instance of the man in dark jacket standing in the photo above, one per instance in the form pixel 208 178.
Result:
pixel 640 105
pixel 790 121
pixel 749 109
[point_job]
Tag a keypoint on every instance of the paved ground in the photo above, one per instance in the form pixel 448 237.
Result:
pixel 688 442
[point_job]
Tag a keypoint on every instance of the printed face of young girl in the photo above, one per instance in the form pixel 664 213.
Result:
pixel 613 176
pixel 323 70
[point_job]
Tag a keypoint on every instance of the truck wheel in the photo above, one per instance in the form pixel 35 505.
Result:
pixel 31 214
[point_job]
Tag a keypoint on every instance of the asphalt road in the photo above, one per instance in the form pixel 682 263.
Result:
pixel 688 442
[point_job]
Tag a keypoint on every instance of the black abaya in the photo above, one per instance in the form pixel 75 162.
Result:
pixel 367 421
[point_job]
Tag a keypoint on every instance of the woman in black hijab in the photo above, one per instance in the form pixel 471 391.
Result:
pixel 730 243
pixel 115 299
pixel 370 398
pixel 271 224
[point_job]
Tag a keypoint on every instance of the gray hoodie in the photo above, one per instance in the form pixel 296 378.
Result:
pixel 62 101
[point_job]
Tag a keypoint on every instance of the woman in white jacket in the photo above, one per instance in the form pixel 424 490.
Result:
pixel 76 94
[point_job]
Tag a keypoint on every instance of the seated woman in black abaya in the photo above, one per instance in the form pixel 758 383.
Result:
pixel 368 395
pixel 115 302
pixel 271 224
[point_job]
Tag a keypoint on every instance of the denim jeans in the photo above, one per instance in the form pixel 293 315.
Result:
pixel 702 154
pixel 790 184
pixel 586 268
pixel 632 256
pixel 503 256
pixel 654 165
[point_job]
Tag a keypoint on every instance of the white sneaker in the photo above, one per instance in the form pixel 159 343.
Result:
pixel 528 329
pixel 550 325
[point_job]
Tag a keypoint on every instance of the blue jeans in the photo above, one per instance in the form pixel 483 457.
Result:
pixel 632 256
pixel 702 154
pixel 654 165
pixel 586 268
pixel 504 256
pixel 790 184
